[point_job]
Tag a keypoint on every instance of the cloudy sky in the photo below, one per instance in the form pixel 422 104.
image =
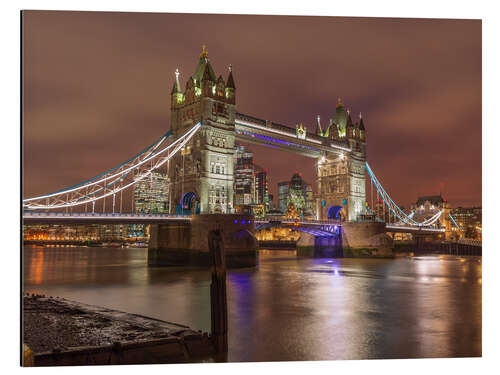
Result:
pixel 97 90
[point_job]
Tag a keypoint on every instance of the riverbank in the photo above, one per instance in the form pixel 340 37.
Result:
pixel 61 332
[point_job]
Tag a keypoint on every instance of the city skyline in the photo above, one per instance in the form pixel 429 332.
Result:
pixel 83 107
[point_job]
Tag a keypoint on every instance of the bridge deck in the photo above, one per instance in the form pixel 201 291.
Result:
pixel 132 218
pixel 100 218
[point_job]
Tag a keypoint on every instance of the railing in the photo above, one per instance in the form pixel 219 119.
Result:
pixel 299 221
pixel 415 228
pixel 470 241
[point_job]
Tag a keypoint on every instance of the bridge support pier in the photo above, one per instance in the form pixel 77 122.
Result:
pixel 355 239
pixel 310 245
pixel 180 244
pixel 361 239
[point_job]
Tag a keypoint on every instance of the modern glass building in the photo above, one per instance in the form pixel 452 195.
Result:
pixel 151 194
pixel 244 186
pixel 298 192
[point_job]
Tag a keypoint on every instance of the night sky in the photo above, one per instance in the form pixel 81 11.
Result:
pixel 97 90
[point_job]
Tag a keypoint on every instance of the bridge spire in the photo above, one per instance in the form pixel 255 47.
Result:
pixel 361 123
pixel 230 80
pixel 177 86
pixel 204 53
pixel 319 130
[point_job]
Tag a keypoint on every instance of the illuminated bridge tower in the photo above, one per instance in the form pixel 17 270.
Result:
pixel 202 174
pixel 341 178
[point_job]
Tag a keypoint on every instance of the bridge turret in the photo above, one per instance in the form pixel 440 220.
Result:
pixel 361 128
pixel 176 94
pixel 340 118
pixel 230 87
pixel 341 178
pixel 319 131
pixel 350 127
pixel 333 131
pixel 202 174
pixel 208 81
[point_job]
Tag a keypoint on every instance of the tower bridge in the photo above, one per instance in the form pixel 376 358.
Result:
pixel 197 152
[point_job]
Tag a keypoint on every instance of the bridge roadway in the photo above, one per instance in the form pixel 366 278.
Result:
pixel 33 217
pixel 100 218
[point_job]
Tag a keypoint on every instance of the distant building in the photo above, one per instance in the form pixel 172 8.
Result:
pixel 244 189
pixel 298 192
pixel 251 185
pixel 283 188
pixel 151 194
pixel 261 186
pixel 271 202
pixel 469 219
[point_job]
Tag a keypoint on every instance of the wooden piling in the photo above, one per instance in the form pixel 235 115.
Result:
pixel 218 297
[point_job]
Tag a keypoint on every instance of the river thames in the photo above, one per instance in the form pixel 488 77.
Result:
pixel 287 308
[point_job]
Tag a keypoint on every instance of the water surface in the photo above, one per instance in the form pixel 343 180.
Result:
pixel 287 308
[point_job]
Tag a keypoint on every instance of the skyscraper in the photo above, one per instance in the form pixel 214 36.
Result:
pixel 151 194
pixel 283 188
pixel 261 186
pixel 244 191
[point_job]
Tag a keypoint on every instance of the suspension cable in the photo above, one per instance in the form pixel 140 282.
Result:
pixel 107 190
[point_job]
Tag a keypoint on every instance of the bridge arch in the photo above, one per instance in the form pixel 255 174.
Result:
pixel 190 202
pixel 334 212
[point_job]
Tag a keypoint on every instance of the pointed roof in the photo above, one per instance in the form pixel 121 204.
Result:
pixel 340 117
pixel 361 123
pixel 220 80
pixel 177 86
pixel 349 119
pixel 203 64
pixel 230 80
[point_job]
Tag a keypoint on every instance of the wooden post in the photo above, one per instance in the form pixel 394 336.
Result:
pixel 218 298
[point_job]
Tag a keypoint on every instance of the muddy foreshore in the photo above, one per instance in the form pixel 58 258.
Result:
pixel 63 332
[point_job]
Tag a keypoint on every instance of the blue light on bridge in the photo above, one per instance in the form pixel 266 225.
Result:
pixel 243 222
pixel 236 221
pixel 276 140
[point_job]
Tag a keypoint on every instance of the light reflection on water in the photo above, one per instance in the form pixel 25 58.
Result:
pixel 287 308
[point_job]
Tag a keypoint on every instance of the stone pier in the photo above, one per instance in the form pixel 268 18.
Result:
pixel 178 244
pixel 365 239
pixel 356 239
pixel 309 245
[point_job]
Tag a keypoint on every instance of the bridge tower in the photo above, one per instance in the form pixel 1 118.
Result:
pixel 341 178
pixel 202 174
